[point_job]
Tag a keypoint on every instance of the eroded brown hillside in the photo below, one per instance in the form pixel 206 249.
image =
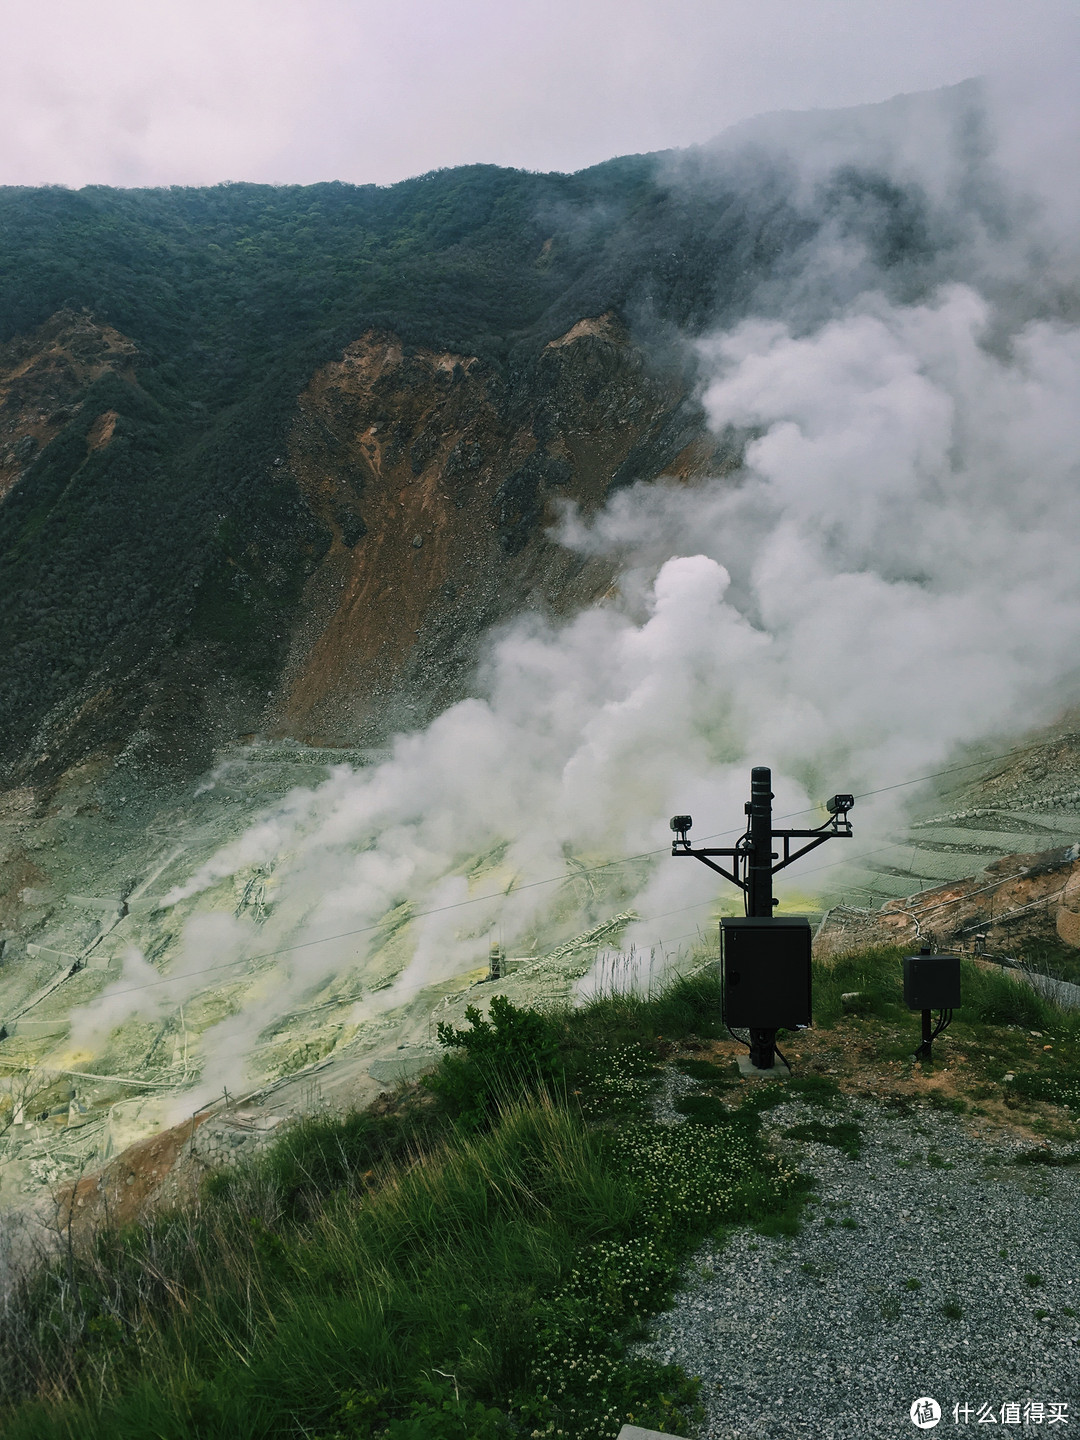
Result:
pixel 1018 901
pixel 438 478
pixel 435 475
pixel 43 377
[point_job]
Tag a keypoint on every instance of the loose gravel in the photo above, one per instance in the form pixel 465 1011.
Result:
pixel 933 1265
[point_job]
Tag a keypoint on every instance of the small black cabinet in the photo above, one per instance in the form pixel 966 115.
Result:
pixel 931 982
pixel 766 972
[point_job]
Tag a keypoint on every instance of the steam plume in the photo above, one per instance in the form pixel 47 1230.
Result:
pixel 891 575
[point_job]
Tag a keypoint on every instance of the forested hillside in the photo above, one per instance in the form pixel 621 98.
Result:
pixel 156 540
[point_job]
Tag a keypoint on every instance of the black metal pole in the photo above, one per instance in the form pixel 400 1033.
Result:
pixel 927 1037
pixel 759 896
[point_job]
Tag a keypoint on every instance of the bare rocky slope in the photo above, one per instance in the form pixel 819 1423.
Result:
pixel 437 482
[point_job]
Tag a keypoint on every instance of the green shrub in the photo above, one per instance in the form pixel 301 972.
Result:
pixel 515 1052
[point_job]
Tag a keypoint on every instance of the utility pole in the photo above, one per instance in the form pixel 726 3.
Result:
pixel 759 896
pixel 753 867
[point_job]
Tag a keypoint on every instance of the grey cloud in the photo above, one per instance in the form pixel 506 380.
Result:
pixel 199 92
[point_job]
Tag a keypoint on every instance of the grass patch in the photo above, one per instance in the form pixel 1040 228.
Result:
pixel 845 1136
pixel 814 1089
pixel 472 1264
pixel 994 997
pixel 877 975
pixel 1039 1156
pixel 708 1072
pixel 1056 1088
pixel 952 1310
pixel 946 1104
pixel 344 1156
pixel 704 1109
pixel 764 1095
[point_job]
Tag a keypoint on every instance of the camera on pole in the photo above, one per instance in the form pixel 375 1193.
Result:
pixel 766 958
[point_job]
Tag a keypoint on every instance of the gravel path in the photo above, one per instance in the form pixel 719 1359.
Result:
pixel 828 1335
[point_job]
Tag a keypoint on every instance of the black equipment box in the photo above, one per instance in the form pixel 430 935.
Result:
pixel 766 970
pixel 931 982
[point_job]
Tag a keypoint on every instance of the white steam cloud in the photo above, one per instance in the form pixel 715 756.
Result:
pixel 899 546
pixel 892 574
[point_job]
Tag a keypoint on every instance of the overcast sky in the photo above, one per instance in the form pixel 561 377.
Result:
pixel 158 92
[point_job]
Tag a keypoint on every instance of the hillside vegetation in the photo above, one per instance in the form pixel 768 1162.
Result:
pixel 474 1259
pixel 152 572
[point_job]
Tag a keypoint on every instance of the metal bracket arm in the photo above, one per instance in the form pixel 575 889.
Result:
pixel 754 862
pixel 829 831
pixel 703 856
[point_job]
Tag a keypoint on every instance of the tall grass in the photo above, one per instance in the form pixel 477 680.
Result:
pixel 875 974
pixel 462 1267
pixel 991 995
